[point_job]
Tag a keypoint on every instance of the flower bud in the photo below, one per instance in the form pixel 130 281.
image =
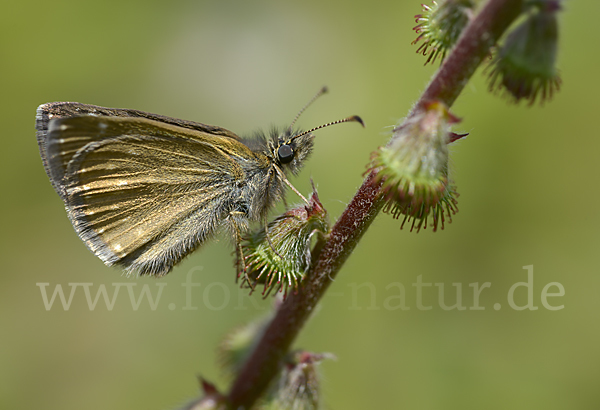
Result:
pixel 525 65
pixel 298 385
pixel 235 348
pixel 414 169
pixel 440 26
pixel 279 256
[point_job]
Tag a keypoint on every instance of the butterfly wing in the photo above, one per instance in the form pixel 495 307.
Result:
pixel 141 193
pixel 62 154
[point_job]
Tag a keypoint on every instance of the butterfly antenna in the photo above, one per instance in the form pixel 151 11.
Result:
pixel 312 100
pixel 354 118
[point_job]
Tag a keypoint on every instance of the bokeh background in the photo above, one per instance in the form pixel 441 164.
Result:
pixel 527 177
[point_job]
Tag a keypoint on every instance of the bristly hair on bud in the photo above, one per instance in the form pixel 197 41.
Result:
pixel 418 217
pixel 279 256
pixel 298 384
pixel 525 65
pixel 440 26
pixel 414 169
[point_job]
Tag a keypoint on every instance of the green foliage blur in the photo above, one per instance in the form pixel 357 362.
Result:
pixel 527 179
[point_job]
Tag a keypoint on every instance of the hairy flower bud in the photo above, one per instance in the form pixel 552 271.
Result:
pixel 414 168
pixel 236 346
pixel 525 65
pixel 440 26
pixel 298 385
pixel 279 256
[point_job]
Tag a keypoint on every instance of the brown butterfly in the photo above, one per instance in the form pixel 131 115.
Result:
pixel 144 190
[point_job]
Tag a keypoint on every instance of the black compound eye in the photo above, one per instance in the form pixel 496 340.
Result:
pixel 285 154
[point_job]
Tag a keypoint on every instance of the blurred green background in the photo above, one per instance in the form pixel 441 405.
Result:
pixel 527 179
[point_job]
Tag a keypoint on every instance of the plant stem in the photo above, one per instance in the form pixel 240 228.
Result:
pixel 263 365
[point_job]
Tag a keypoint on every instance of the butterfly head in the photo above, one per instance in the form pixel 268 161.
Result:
pixel 291 149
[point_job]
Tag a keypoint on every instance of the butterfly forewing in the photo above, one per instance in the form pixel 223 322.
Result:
pixel 139 192
pixel 60 150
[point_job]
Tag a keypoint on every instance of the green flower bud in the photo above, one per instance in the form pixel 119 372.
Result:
pixel 235 348
pixel 414 169
pixel 280 257
pixel 525 65
pixel 440 26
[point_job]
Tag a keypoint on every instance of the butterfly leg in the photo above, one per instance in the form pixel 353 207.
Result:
pixel 241 265
pixel 271 242
pixel 288 183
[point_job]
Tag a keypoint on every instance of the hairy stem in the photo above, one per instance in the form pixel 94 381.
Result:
pixel 263 365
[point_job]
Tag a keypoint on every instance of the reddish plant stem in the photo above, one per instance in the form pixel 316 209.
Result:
pixel 263 365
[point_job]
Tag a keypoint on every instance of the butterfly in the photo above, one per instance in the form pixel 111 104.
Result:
pixel 144 190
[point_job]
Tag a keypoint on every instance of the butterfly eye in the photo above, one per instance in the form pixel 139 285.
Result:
pixel 285 154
